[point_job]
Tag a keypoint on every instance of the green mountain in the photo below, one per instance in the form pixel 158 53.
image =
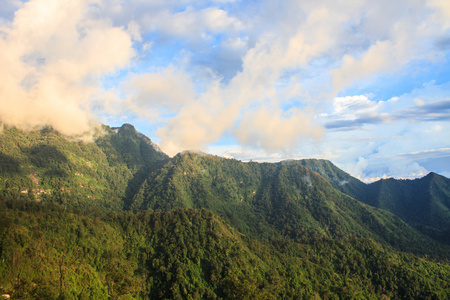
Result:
pixel 48 253
pixel 423 203
pixel 46 166
pixel 340 180
pixel 118 219
pixel 265 200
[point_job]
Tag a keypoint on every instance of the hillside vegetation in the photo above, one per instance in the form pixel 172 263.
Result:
pixel 423 203
pixel 45 166
pixel 118 219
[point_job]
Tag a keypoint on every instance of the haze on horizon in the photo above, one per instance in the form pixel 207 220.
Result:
pixel 365 84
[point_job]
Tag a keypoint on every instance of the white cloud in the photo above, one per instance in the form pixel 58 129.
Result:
pixel 384 56
pixel 441 12
pixel 134 30
pixel 435 128
pixel 357 170
pixel 162 92
pixel 428 153
pixel 52 58
pixel 419 102
pixel 8 9
pixel 352 40
pixel 395 37
pixel 261 75
pixel 271 129
pixel 350 106
pixel 192 23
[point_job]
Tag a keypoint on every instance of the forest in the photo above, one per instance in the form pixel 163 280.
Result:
pixel 118 219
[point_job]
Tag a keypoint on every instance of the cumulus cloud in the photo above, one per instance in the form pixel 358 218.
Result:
pixel 441 11
pixel 164 91
pixel 350 106
pixel 198 123
pixel 347 41
pixel 358 169
pixel 53 55
pixel 201 70
pixel 352 112
pixel 394 37
pixel 192 23
pixel 383 56
pixel 436 160
pixel 221 107
pixel 8 9
pixel 271 129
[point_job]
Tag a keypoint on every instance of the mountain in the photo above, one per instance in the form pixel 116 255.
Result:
pixel 340 180
pixel 46 166
pixel 48 253
pixel 117 218
pixel 266 200
pixel 423 203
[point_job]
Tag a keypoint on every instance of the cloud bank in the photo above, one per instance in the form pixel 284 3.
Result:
pixel 331 79
pixel 53 57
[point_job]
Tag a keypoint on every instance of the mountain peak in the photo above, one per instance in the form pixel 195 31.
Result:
pixel 434 175
pixel 127 128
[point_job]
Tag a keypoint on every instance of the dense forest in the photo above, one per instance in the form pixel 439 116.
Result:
pixel 423 203
pixel 115 218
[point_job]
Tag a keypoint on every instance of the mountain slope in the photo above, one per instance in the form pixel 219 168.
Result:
pixel 120 217
pixel 124 170
pixel 339 179
pixel 423 203
pixel 265 200
pixel 46 166
pixel 48 253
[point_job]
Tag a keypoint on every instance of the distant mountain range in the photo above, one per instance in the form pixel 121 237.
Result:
pixel 423 203
pixel 265 219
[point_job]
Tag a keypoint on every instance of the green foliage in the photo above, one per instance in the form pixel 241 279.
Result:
pixel 49 255
pixel 268 200
pixel 46 252
pixel 52 168
pixel 423 203
pixel 118 219
pixel 420 202
pixel 339 179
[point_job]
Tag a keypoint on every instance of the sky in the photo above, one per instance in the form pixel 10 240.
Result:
pixel 364 84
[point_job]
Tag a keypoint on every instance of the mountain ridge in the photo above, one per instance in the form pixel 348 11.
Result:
pixel 55 162
pixel 200 226
pixel 422 202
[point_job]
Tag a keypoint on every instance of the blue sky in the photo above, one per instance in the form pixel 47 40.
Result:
pixel 365 84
